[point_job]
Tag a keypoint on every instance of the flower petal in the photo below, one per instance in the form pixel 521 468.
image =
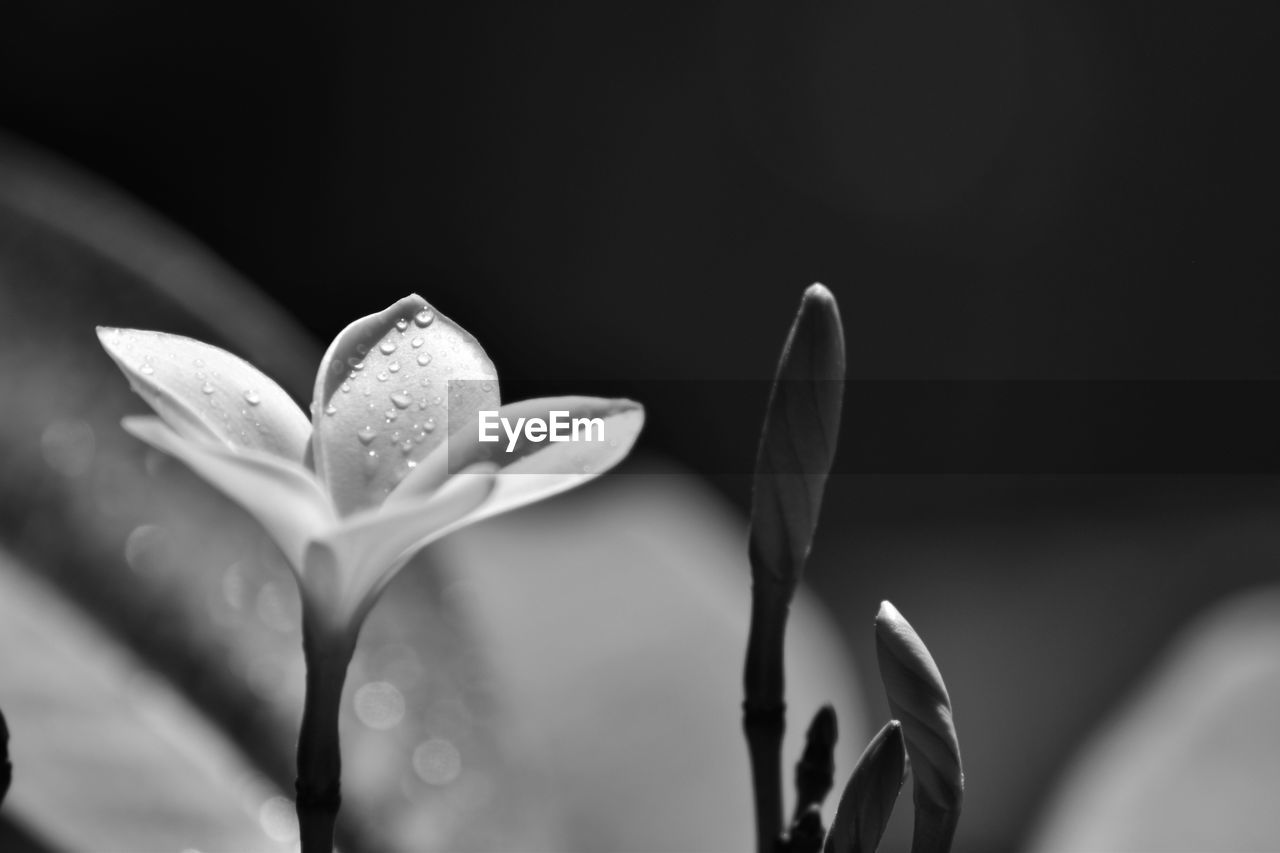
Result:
pixel 532 471
pixel 285 498
pixel 380 398
pixel 370 547
pixel 205 392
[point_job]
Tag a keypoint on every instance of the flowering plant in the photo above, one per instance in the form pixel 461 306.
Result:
pixel 385 465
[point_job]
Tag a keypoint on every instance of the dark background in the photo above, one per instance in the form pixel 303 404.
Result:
pixel 609 193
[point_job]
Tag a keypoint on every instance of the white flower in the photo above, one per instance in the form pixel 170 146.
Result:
pixel 383 466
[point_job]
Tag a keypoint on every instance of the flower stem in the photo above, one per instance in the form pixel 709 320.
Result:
pixel 764 712
pixel 319 783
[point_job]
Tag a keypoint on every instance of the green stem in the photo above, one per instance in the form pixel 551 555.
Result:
pixel 319 783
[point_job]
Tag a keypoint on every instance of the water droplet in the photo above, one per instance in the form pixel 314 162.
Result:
pixel 424 359
pixel 424 317
pixel 382 377
pixel 252 398
pixel 386 347
pixel 312 409
pixel 367 434
pixel 362 349
pixel 356 364
pixel 406 446
pixel 206 388
pixel 331 410
pixel 425 381
pixel 430 425
pixel 346 387
pixel 401 400
pixel 371 462
pixel 146 370
pixel 394 367
pixel 435 400
pixel 199 362
pixel 401 325
pixel 335 366
pixel 200 375
pixel 390 415
pixel 486 387
pixel 417 342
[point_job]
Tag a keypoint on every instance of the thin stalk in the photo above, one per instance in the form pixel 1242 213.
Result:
pixel 319 783
pixel 764 714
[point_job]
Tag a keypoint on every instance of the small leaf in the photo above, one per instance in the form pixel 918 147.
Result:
pixel 815 771
pixel 382 398
pixel 285 499
pixel 919 699
pixel 204 392
pixel 798 441
pixel 806 832
pixel 868 798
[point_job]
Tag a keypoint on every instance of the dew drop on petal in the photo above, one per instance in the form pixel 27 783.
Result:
pixel 146 370
pixel 386 347
pixel 335 366
pixel 206 388
pixel 437 761
pixel 252 398
pixel 331 410
pixel 424 359
pixel 401 400
pixel 424 317
pixel 371 462
pixel 390 415
pixel 394 367
pixel 382 377
pixel 356 364
pixel 401 325
pixel 199 362
pixel 417 342
pixel 429 425
pixel 379 705
pixel 406 446
pixel 346 387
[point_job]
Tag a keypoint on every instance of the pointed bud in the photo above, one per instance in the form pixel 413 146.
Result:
pixel 918 697
pixel 868 798
pixel 798 441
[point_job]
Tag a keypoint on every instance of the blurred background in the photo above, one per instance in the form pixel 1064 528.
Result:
pixel 608 195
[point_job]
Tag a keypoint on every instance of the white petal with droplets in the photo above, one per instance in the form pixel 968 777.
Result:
pixel 379 407
pixel 202 391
